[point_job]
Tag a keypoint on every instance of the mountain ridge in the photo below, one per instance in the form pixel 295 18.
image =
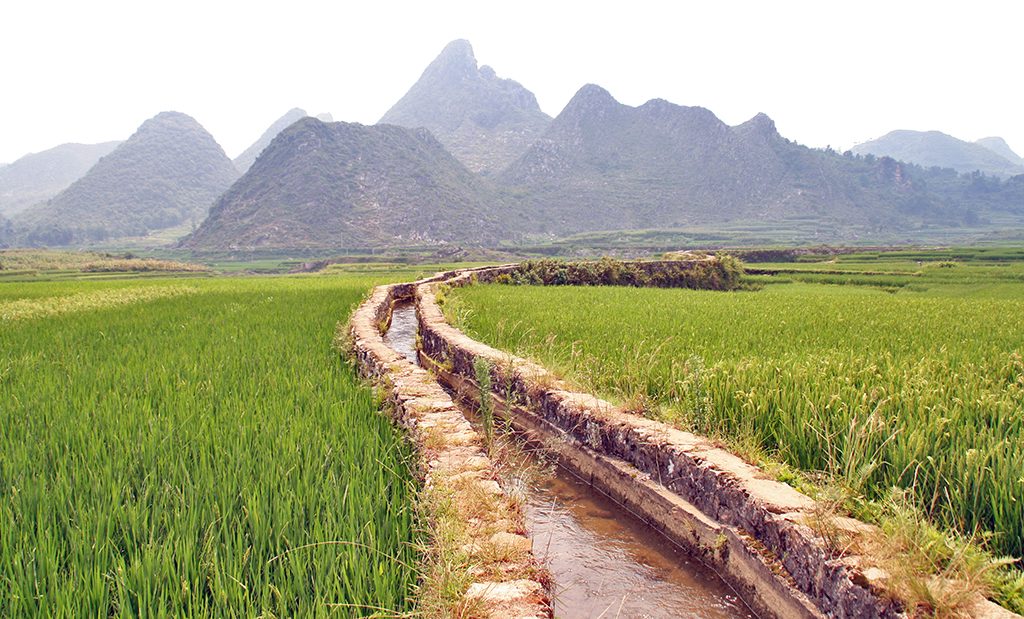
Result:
pixel 937 149
pixel 246 159
pixel 602 165
pixel 999 146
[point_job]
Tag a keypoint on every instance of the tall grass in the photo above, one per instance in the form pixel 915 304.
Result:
pixel 915 391
pixel 205 454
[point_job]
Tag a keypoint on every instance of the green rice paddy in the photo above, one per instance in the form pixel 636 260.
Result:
pixel 896 372
pixel 195 447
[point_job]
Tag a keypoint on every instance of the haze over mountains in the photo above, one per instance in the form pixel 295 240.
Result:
pixel 991 156
pixel 166 174
pixel 39 176
pixel 468 158
pixel 999 146
pixel 603 165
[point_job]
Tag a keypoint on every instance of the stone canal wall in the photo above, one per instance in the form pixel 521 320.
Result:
pixel 483 526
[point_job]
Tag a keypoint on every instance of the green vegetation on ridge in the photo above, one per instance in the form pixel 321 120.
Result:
pixel 344 185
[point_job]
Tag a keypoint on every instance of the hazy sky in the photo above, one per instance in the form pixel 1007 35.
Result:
pixel 829 73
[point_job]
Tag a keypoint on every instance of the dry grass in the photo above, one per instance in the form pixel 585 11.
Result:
pixel 43 307
pixel 88 262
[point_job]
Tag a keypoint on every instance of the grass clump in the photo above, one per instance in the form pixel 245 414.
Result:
pixel 485 408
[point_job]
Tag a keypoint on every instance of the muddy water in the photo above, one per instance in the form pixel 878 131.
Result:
pixel 401 336
pixel 604 561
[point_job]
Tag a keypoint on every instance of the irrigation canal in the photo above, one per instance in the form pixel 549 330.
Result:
pixel 604 561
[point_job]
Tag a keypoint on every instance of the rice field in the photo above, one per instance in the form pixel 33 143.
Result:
pixel 195 447
pixel 910 378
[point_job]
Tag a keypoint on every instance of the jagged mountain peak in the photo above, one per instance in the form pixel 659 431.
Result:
pixel 591 94
pixel 591 105
pixel 695 115
pixel 458 53
pixel 594 111
pixel 484 120
pixel 760 125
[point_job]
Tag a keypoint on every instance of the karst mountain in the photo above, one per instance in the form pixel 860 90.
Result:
pixel 602 165
pixel 332 185
pixel 467 158
pixel 482 119
pixel 999 146
pixel 245 160
pixel 167 174
pixel 39 176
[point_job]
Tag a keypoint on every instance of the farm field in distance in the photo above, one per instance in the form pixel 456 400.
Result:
pixel 880 370
pixel 195 446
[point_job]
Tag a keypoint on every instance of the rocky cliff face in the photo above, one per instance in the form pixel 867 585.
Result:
pixel 484 120
pixel 344 185
pixel 167 174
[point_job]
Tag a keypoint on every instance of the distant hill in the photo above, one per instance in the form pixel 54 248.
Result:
pixel 602 165
pixel 999 146
pixel 320 185
pixel 167 174
pixel 38 177
pixel 484 120
pixel 936 149
pixel 244 161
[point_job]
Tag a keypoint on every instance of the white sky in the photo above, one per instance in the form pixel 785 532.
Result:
pixel 833 73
